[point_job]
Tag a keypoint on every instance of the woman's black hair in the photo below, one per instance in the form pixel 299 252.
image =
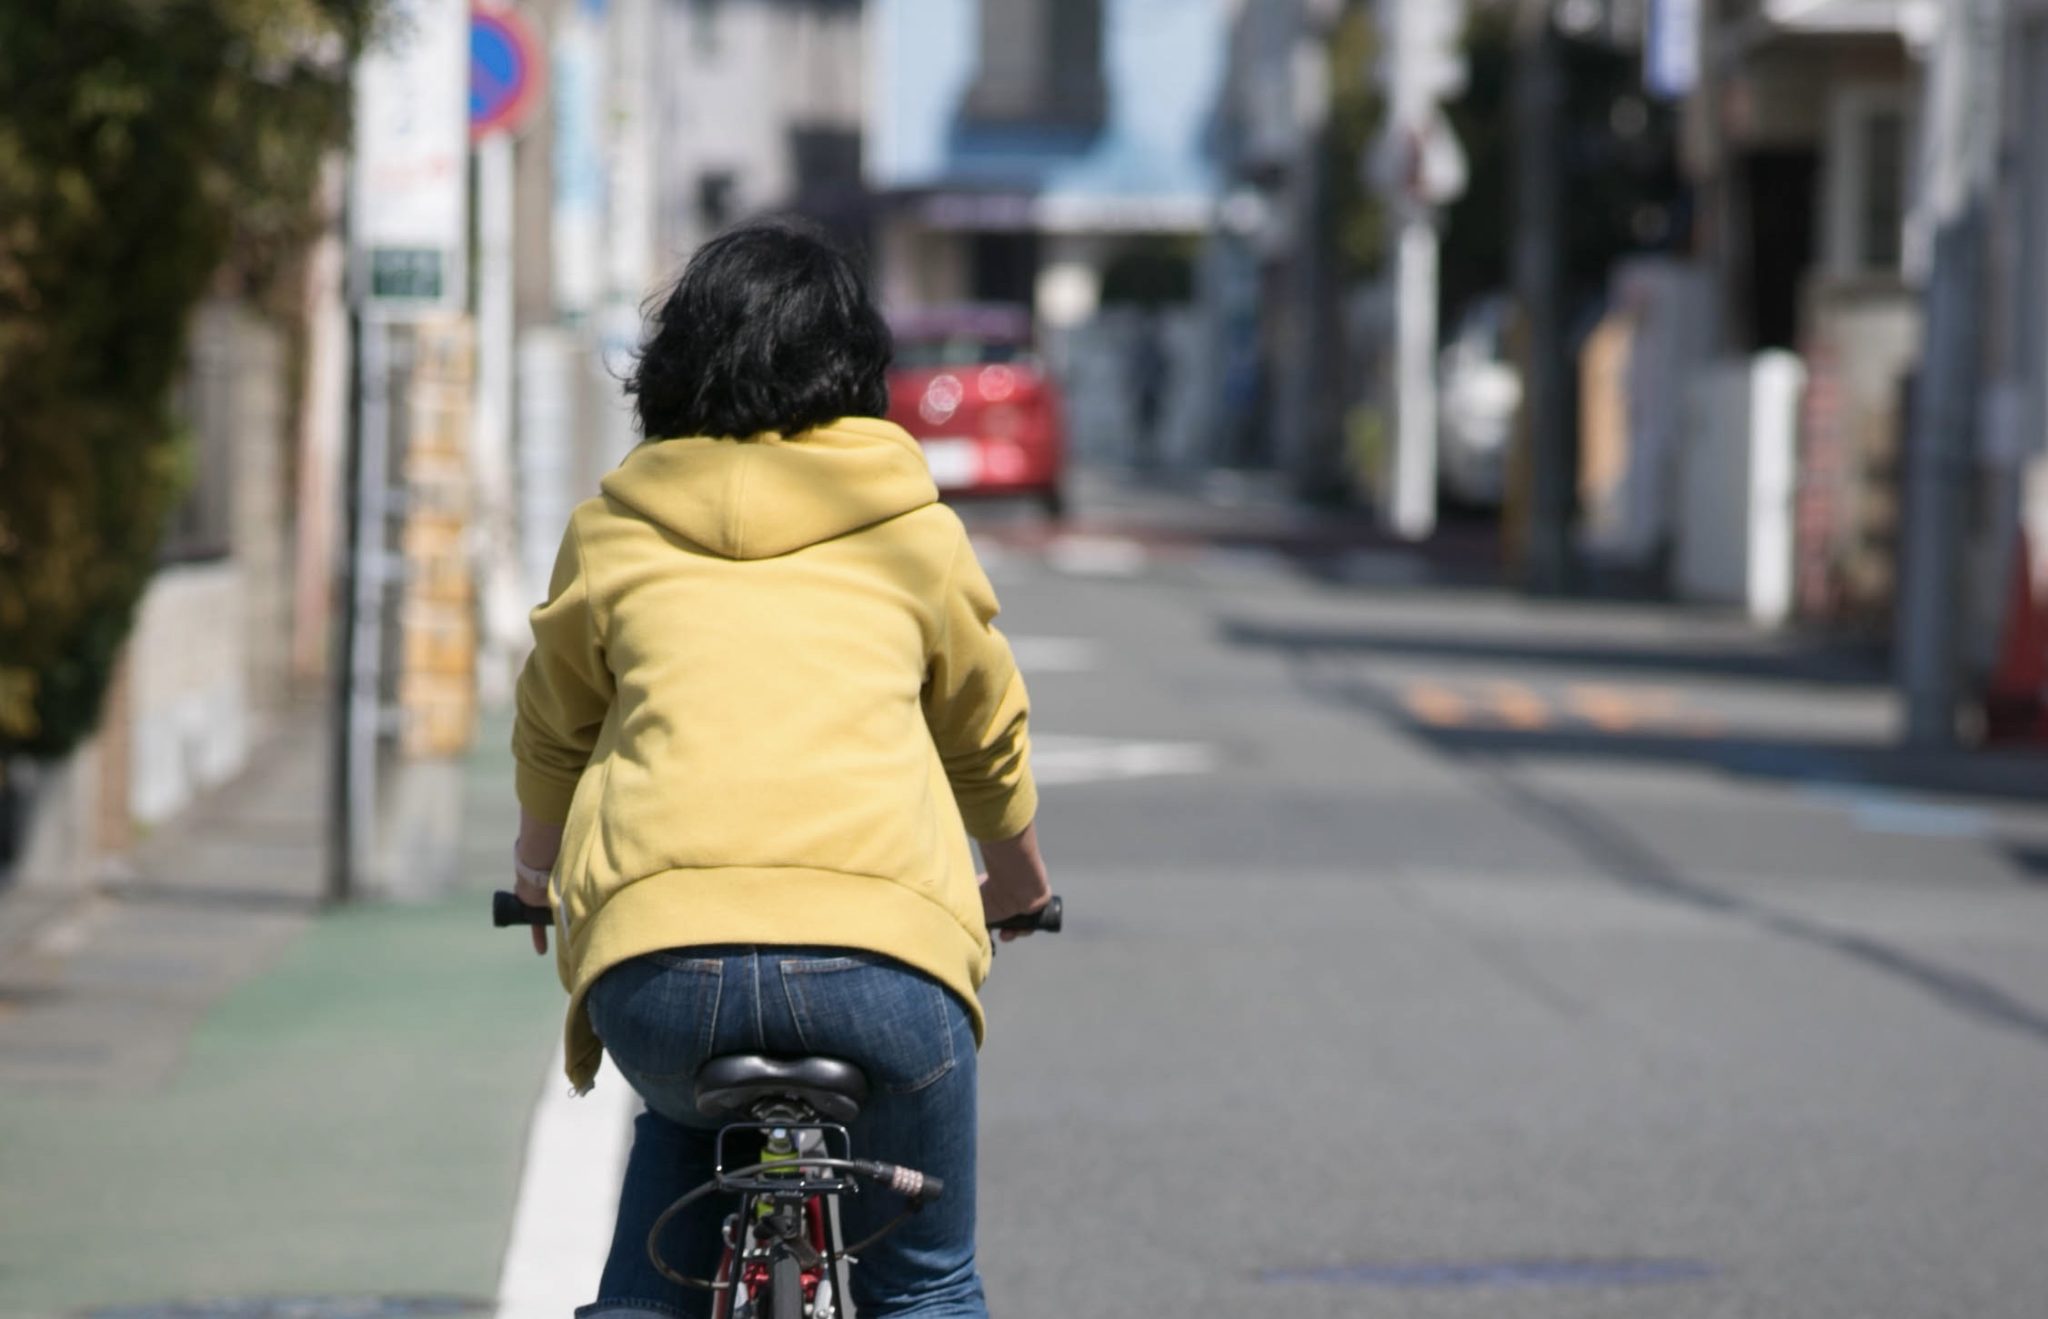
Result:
pixel 769 328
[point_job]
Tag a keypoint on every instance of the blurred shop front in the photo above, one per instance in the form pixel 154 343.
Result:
pixel 1743 413
pixel 1054 155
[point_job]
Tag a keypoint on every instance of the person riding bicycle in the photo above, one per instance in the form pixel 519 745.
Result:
pixel 765 710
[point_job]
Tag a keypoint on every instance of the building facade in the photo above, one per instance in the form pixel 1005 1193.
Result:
pixel 1059 155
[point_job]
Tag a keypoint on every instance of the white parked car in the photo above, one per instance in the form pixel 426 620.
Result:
pixel 1480 395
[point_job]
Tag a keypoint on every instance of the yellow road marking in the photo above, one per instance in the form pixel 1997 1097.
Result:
pixel 1606 708
pixel 1438 706
pixel 1518 707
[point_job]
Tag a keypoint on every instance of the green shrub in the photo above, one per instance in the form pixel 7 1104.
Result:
pixel 151 151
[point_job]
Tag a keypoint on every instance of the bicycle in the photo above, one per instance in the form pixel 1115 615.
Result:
pixel 783 1256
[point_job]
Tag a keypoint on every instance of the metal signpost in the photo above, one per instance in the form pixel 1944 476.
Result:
pixel 408 225
pixel 505 63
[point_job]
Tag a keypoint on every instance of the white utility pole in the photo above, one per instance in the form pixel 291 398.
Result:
pixel 1420 168
pixel 1415 383
pixel 1961 137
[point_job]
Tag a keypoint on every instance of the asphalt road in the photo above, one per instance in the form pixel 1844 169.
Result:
pixel 1434 953
pixel 1431 953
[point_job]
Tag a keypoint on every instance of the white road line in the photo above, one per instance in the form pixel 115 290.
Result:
pixel 68 935
pixel 568 1196
pixel 1097 556
pixel 1037 655
pixel 1058 758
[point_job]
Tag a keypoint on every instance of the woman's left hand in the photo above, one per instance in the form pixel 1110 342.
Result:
pixel 535 895
pixel 535 851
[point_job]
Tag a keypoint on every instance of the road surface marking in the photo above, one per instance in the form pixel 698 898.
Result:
pixel 1438 706
pixel 1097 556
pixel 1606 708
pixel 1920 819
pixel 1882 811
pixel 1056 758
pixel 1055 654
pixel 1642 712
pixel 1518 707
pixel 65 937
pixel 568 1196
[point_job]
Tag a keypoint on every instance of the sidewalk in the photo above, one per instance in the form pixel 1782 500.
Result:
pixel 106 983
pixel 211 1087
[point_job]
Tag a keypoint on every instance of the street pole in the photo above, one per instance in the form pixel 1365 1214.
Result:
pixel 341 861
pixel 407 222
pixel 1423 168
pixel 368 570
pixel 358 685
pixel 499 592
pixel 1962 136
pixel 1414 512
pixel 1538 96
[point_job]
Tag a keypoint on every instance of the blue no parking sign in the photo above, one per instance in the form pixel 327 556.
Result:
pixel 504 72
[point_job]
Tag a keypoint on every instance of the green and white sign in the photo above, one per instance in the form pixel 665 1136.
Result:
pixel 410 205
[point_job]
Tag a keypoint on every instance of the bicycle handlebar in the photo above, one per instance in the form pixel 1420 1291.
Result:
pixel 507 909
pixel 1046 920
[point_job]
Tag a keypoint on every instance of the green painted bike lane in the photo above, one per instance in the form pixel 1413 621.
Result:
pixel 350 1122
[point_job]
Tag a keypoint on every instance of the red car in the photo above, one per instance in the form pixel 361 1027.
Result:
pixel 967 384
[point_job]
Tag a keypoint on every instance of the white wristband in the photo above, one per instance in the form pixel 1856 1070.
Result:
pixel 530 874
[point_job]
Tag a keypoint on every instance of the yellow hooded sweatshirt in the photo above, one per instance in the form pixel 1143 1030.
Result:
pixel 766 697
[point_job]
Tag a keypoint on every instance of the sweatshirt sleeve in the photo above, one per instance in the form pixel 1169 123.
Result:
pixel 975 704
pixel 564 691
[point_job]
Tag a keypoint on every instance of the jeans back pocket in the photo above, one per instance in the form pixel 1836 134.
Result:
pixel 656 1015
pixel 897 1024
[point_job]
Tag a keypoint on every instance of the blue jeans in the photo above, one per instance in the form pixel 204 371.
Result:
pixel 661 1016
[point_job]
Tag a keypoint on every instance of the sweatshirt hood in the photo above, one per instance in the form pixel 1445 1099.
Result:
pixel 770 495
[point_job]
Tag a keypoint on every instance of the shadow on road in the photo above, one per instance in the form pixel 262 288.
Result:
pixel 1765 664
pixel 1495 754
pixel 1992 776
pixel 1634 865
pixel 1764 660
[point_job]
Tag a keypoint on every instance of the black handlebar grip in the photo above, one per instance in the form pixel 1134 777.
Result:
pixel 507 909
pixel 1046 920
pixel 932 1189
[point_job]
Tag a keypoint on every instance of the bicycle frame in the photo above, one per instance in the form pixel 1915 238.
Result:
pixel 747 1273
pixel 789 1209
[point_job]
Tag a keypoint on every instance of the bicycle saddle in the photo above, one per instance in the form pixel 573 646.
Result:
pixel 729 1087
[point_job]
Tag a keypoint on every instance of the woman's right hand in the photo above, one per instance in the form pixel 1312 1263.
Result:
pixel 1016 882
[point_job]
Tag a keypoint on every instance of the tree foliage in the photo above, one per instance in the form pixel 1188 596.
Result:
pixel 1618 156
pixel 1358 114
pixel 150 151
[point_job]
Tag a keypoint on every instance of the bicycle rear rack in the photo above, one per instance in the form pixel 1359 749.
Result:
pixel 800 1179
